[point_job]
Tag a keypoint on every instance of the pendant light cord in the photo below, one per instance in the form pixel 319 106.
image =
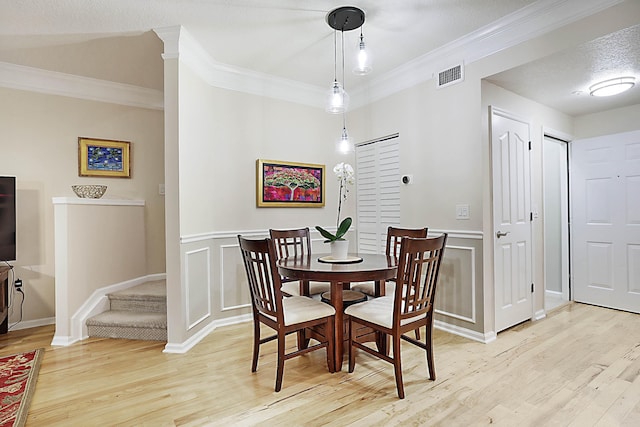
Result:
pixel 335 56
pixel 342 40
pixel 344 111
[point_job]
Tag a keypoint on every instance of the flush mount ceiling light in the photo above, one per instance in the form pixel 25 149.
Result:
pixel 612 86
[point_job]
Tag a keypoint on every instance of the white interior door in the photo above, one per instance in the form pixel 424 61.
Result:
pixel 605 225
pixel 510 154
pixel 377 192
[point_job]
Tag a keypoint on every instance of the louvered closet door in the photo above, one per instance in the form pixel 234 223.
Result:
pixel 377 192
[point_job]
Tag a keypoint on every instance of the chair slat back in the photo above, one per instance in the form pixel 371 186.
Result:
pixel 418 271
pixel 259 260
pixel 291 242
pixel 395 235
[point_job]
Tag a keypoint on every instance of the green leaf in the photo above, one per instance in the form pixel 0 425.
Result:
pixel 343 228
pixel 330 237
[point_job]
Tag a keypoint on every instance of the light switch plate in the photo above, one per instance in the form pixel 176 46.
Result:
pixel 462 211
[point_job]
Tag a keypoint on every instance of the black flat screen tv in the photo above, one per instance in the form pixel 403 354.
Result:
pixel 7 218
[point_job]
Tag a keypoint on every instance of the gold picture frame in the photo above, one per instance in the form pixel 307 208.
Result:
pixel 289 184
pixel 104 158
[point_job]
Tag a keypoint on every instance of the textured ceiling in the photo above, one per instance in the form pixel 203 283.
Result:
pixel 562 80
pixel 290 39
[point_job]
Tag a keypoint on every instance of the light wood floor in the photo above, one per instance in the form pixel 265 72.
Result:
pixel 578 367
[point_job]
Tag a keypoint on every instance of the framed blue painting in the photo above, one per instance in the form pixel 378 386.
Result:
pixel 104 158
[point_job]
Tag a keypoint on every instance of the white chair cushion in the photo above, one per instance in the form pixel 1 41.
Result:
pixel 301 309
pixel 377 310
pixel 315 288
pixel 368 288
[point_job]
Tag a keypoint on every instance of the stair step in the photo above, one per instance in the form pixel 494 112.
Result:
pixel 138 313
pixel 129 325
pixel 149 296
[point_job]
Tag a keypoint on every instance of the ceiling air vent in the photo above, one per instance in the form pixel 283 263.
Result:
pixel 450 76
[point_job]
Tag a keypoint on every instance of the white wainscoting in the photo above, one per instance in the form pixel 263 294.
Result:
pixel 198 285
pixel 456 292
pixel 216 255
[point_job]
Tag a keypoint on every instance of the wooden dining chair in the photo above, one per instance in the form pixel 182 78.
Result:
pixel 394 238
pixel 410 307
pixel 284 315
pixel 295 242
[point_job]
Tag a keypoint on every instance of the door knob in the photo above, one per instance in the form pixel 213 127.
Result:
pixel 500 234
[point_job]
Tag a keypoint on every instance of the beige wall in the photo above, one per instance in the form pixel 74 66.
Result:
pixel 39 138
pixel 223 133
pixel 89 258
pixel 214 137
pixel 220 134
pixel 440 145
pixel 609 122
pixel 444 144
pixel 438 130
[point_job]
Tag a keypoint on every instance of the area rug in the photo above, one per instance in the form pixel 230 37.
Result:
pixel 18 376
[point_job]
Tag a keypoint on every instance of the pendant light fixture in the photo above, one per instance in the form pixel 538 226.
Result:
pixel 338 98
pixel 363 61
pixel 342 19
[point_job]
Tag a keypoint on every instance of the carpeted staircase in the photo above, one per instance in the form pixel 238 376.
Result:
pixel 137 313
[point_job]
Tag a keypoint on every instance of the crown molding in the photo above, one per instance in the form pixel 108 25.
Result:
pixel 178 43
pixel 538 18
pixel 525 24
pixel 20 77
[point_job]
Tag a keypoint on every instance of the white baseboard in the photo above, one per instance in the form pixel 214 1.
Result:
pixel 26 324
pixel 464 332
pixel 196 338
pixel 539 315
pixel 63 340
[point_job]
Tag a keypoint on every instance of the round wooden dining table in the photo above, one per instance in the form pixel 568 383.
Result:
pixel 363 268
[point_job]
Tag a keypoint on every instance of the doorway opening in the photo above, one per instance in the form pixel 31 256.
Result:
pixel 557 264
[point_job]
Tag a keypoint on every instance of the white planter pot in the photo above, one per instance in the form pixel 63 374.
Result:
pixel 339 249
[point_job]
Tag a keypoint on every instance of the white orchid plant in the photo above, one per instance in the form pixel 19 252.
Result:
pixel 345 174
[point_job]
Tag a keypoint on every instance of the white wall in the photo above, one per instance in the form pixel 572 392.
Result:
pixel 39 141
pixel 540 117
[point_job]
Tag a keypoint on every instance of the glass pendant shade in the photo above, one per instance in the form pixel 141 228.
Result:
pixel 337 99
pixel 344 145
pixel 363 64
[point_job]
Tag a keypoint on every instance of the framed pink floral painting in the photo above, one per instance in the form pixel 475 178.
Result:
pixel 289 184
